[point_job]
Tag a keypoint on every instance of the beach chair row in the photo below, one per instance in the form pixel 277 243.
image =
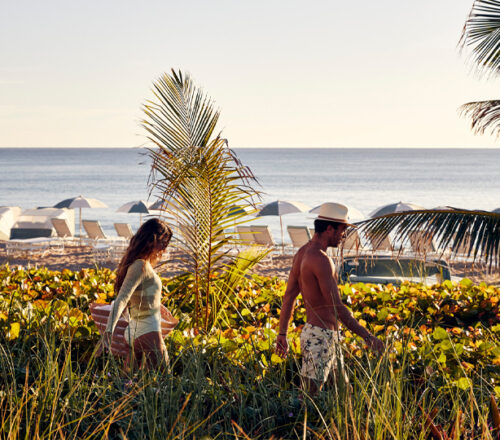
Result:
pixel 419 243
pixel 92 228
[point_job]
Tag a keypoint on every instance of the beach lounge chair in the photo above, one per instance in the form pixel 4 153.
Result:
pixel 96 234
pixel 100 252
pixel 110 251
pixel 124 230
pixel 61 227
pixel 94 230
pixel 299 235
pixel 263 236
pixel 63 232
pixel 245 233
pixel 27 248
pixel 421 243
pixel 352 243
pixel 380 243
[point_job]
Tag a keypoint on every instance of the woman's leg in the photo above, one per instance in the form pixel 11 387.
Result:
pixel 150 348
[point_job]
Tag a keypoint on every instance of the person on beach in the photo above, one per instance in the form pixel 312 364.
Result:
pixel 139 287
pixel 313 274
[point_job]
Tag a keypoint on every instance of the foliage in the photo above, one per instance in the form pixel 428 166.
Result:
pixel 442 365
pixel 436 322
pixel 201 181
pixel 470 233
pixel 484 116
pixel 481 34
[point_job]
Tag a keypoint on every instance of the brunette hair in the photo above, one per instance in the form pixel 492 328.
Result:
pixel 152 236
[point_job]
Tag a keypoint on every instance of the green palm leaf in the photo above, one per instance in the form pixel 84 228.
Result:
pixel 200 177
pixel 478 232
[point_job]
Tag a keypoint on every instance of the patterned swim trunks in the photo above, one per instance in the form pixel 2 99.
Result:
pixel 321 353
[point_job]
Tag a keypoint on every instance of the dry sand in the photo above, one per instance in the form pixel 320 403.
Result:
pixel 78 257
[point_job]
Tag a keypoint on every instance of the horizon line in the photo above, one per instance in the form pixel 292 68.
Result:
pixel 462 147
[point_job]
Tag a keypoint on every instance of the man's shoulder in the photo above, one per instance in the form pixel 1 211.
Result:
pixel 315 257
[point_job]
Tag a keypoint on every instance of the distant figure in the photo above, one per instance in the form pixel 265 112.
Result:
pixel 138 286
pixel 313 274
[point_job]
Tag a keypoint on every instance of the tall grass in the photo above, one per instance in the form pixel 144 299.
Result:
pixel 53 389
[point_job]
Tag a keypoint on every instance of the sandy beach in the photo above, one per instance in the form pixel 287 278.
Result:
pixel 75 257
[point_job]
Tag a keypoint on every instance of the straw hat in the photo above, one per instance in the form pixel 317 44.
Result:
pixel 334 212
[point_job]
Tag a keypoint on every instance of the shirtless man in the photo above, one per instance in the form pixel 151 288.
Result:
pixel 313 274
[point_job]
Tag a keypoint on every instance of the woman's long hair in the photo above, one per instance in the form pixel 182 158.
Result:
pixel 152 237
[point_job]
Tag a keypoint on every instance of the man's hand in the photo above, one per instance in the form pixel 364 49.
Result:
pixel 281 346
pixel 375 344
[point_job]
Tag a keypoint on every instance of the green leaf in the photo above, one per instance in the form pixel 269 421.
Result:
pixel 466 282
pixel 463 383
pixel 439 333
pixel 382 314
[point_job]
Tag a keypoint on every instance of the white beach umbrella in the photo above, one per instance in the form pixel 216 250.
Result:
pixel 443 208
pixel 395 207
pixel 353 214
pixel 280 208
pixel 80 202
pixel 138 207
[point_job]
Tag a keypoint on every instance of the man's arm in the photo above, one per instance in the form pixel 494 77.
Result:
pixel 329 289
pixel 287 306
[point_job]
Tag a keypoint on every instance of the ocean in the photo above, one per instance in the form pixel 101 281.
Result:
pixel 363 178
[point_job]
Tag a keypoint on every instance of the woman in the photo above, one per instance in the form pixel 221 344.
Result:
pixel 138 286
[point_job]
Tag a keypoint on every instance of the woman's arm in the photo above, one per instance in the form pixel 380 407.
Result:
pixel 130 283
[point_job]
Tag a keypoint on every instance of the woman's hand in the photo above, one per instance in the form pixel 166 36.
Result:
pixel 104 343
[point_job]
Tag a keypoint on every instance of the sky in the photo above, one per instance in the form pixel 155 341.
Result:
pixel 323 73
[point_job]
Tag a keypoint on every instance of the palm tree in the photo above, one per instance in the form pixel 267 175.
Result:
pixel 202 184
pixel 481 34
pixel 477 231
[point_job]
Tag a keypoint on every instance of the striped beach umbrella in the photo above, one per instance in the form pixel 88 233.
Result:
pixel 138 207
pixel 280 208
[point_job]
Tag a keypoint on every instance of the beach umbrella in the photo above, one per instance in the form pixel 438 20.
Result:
pixel 353 214
pixel 80 202
pixel 163 205
pixel 240 210
pixel 280 208
pixel 138 207
pixel 395 207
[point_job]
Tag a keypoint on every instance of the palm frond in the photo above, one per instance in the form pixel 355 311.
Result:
pixel 201 177
pixel 475 234
pixel 481 33
pixel 484 116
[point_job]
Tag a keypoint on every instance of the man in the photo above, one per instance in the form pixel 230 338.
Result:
pixel 313 274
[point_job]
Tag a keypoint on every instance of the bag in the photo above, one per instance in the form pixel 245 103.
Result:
pixel 119 346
